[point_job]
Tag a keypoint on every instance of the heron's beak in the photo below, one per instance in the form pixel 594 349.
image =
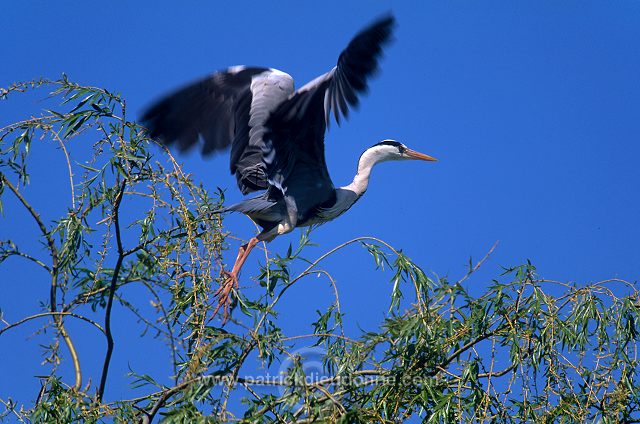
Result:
pixel 420 156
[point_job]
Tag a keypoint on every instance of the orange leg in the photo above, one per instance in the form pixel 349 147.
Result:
pixel 231 279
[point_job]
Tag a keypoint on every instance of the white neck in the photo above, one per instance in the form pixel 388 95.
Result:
pixel 361 181
pixel 347 195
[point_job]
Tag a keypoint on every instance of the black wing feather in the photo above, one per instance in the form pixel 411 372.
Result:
pixel 215 110
pixel 202 109
pixel 298 124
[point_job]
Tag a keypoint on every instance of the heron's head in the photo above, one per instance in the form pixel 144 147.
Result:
pixel 394 150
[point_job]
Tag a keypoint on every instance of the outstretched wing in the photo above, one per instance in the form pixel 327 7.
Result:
pixel 228 108
pixel 298 124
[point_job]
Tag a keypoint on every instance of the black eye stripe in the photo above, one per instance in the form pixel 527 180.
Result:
pixel 389 143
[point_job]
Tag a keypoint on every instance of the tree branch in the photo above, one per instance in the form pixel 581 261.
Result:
pixel 57 318
pixel 112 290
pixel 46 314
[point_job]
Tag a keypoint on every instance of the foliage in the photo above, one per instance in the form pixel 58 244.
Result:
pixel 528 349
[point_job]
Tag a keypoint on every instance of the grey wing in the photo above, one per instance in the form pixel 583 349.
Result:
pixel 298 124
pixel 228 108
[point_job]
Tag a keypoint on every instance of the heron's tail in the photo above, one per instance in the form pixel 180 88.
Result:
pixel 256 205
pixel 218 211
pixel 244 207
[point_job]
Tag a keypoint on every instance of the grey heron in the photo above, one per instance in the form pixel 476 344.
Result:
pixel 276 135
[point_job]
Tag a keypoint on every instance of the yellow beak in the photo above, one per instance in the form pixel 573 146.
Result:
pixel 420 156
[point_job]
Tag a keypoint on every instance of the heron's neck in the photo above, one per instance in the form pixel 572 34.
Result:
pixel 361 181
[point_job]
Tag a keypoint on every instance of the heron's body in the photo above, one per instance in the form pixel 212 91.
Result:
pixel 276 135
pixel 309 203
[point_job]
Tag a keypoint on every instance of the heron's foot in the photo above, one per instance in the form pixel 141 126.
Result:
pixel 225 300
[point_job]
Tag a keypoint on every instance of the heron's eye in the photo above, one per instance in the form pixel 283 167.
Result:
pixel 402 149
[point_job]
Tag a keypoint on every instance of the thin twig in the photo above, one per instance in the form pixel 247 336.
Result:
pixel 309 270
pixel 253 392
pixel 32 259
pixel 54 281
pixel 46 314
pixel 480 262
pixel 56 135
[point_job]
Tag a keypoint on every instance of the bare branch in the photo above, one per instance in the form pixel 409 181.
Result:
pixel 54 280
pixel 112 291
pixel 47 314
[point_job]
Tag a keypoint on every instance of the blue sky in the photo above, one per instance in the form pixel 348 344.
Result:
pixel 531 107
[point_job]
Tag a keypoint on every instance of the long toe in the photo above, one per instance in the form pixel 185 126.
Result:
pixel 223 294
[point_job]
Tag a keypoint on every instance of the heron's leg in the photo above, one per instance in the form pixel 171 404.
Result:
pixel 243 254
pixel 231 279
pixel 288 223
